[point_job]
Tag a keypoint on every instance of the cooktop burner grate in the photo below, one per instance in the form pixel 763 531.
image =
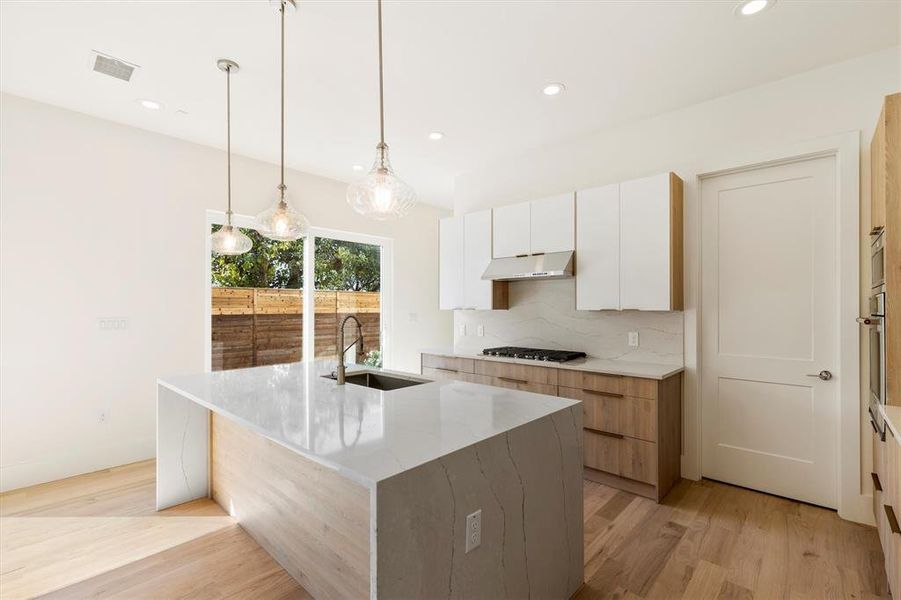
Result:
pixel 534 353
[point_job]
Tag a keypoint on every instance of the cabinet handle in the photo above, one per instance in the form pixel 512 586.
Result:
pixel 446 370
pixel 618 436
pixel 512 380
pixel 876 483
pixel 892 519
pixel 597 393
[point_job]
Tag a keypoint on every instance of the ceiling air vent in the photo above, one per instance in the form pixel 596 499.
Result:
pixel 113 67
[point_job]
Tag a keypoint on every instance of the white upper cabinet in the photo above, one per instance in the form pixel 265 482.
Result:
pixel 451 263
pixel 597 248
pixel 464 254
pixel 477 293
pixel 552 224
pixel 644 243
pixel 629 245
pixel 511 230
pixel 651 243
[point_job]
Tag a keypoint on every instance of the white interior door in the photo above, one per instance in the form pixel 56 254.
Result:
pixel 769 321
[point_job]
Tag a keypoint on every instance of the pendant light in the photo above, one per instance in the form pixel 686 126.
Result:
pixel 381 195
pixel 281 221
pixel 229 240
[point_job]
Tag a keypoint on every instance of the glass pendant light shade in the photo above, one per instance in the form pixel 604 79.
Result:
pixel 230 241
pixel 281 222
pixel 381 195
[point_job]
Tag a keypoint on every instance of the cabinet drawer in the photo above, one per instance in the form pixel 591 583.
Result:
pixel 626 415
pixel 514 373
pixel 448 363
pixel 444 375
pixel 614 384
pixel 623 456
pixel 522 386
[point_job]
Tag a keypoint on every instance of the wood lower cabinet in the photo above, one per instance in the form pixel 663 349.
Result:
pixel 887 503
pixel 615 413
pixel 633 426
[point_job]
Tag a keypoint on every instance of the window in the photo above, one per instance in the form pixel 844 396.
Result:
pixel 258 300
pixel 348 279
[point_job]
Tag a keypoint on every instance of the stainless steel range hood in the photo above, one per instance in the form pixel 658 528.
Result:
pixel 554 265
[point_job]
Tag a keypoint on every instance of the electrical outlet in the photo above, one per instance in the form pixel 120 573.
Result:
pixel 462 329
pixel 111 323
pixel 481 331
pixel 473 530
pixel 101 417
pixel 633 339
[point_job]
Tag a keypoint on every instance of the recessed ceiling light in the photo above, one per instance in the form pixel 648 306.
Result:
pixel 358 167
pixel 746 8
pixel 553 89
pixel 436 135
pixel 150 104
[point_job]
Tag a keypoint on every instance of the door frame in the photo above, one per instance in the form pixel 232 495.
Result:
pixel 853 495
pixel 386 264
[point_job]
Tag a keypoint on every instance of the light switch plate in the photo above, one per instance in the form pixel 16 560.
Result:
pixel 633 339
pixel 481 331
pixel 473 530
pixel 462 329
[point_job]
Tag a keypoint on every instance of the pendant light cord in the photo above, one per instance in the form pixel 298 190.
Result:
pixel 228 136
pixel 381 83
pixel 281 186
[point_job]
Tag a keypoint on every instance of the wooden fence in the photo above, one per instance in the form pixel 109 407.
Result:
pixel 264 326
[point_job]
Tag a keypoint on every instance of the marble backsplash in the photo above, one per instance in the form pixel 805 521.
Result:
pixel 543 314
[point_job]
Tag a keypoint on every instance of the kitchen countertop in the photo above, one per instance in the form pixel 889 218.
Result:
pixel 892 416
pixel 595 365
pixel 369 435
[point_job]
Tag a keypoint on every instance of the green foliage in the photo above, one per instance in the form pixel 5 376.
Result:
pixel 374 359
pixel 347 266
pixel 338 266
pixel 268 264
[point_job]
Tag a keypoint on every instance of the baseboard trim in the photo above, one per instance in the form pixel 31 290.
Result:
pixel 27 474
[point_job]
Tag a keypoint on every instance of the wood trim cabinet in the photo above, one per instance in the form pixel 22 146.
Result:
pixel 887 503
pixel 629 245
pixel 632 426
pixel 464 253
pixel 885 205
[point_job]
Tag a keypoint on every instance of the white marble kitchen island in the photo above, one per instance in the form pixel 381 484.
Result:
pixel 359 492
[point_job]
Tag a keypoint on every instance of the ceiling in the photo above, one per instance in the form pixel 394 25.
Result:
pixel 473 70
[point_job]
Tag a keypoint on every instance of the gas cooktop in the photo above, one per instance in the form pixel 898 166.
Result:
pixel 534 353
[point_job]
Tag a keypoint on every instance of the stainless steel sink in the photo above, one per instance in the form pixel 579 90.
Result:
pixel 379 381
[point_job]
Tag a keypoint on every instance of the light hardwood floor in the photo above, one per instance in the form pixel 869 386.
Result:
pixel 98 536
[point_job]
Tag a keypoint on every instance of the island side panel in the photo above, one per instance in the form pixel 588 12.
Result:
pixel 528 484
pixel 311 519
pixel 182 449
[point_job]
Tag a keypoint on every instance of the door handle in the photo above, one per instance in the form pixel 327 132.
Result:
pixel 824 375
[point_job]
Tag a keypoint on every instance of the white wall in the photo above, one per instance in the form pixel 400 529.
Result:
pixel 842 97
pixel 99 219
